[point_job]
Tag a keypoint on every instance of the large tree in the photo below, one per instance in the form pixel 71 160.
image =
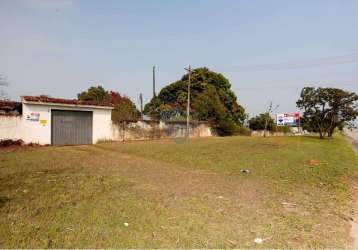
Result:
pixel 325 109
pixel 211 100
pixel 124 108
pixel 3 84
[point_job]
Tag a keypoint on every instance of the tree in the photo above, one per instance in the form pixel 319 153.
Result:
pixel 326 109
pixel 3 84
pixel 95 93
pixel 124 108
pixel 261 122
pixel 211 100
pixel 268 117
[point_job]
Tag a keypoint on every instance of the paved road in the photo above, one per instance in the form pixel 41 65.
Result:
pixel 352 136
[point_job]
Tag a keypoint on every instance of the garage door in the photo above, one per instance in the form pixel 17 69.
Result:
pixel 71 127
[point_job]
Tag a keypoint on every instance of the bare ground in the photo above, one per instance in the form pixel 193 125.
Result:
pixel 352 137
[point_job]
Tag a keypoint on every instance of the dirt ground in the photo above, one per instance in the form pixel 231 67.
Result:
pixel 352 136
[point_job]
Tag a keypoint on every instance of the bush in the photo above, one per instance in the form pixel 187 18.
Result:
pixel 243 131
pixel 225 127
pixel 283 129
pixel 258 122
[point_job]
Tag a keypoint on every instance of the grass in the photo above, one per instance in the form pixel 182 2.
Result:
pixel 179 194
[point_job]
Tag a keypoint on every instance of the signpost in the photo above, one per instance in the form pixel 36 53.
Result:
pixel 288 119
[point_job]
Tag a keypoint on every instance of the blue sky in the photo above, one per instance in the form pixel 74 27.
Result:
pixel 269 50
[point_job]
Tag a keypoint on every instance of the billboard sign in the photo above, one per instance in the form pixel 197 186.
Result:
pixel 288 119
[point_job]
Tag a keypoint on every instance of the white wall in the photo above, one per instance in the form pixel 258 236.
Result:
pixel 10 127
pixel 39 131
pixel 34 131
pixel 102 125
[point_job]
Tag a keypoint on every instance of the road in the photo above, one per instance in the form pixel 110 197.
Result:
pixel 352 136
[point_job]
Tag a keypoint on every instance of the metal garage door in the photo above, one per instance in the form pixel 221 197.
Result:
pixel 71 127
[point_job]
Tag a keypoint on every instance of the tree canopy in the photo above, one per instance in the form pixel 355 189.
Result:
pixel 326 109
pixel 258 122
pixel 94 93
pixel 211 100
pixel 124 108
pixel 3 84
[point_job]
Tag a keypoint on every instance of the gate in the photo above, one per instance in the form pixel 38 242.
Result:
pixel 71 127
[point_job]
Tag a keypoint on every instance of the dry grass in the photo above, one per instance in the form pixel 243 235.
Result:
pixel 182 195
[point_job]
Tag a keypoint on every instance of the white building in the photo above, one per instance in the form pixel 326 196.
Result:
pixel 55 121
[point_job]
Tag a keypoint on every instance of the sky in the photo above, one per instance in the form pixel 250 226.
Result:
pixel 268 49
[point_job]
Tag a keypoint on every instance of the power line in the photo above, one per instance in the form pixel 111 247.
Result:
pixel 294 86
pixel 325 61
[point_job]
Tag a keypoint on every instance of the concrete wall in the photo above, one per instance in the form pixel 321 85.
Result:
pixel 294 131
pixel 146 130
pixel 10 127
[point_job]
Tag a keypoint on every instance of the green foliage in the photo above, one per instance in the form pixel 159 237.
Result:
pixel 94 93
pixel 211 100
pixel 326 109
pixel 258 122
pixel 207 106
pixel 124 108
pixel 225 127
pixel 283 129
pixel 240 130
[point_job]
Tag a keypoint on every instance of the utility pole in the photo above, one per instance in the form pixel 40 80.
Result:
pixel 154 95
pixel 188 104
pixel 141 105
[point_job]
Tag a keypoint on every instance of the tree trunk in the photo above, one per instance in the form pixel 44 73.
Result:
pixel 331 131
pixel 320 134
pixel 265 129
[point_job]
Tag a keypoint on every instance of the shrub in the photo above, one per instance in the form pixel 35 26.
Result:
pixel 258 122
pixel 243 131
pixel 283 129
pixel 225 127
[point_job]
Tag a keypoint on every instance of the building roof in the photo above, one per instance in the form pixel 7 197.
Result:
pixel 42 99
pixel 10 108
